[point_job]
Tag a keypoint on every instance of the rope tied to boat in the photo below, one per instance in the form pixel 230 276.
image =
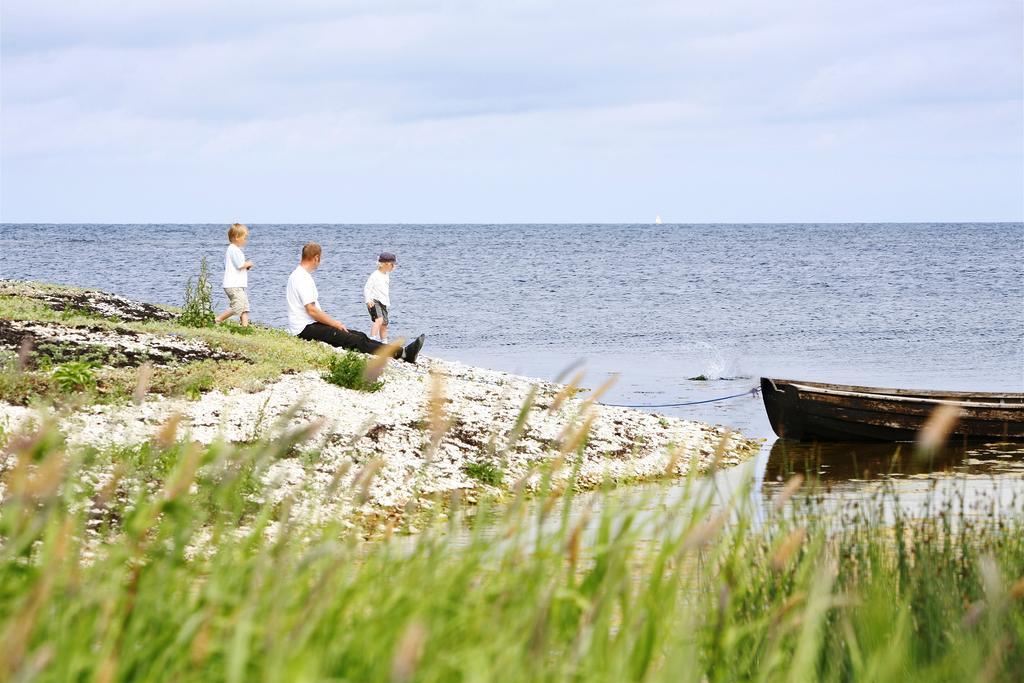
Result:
pixel 752 392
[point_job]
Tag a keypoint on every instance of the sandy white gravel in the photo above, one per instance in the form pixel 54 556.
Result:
pixel 392 429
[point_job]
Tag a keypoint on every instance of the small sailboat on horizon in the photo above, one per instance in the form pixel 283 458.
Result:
pixel 657 219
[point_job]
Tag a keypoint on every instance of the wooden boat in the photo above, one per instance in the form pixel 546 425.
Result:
pixel 810 411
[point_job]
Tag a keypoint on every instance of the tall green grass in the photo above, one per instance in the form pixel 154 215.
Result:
pixel 173 570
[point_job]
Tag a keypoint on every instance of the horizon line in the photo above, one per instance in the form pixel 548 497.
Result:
pixel 476 223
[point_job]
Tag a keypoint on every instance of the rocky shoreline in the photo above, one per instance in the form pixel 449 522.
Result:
pixel 435 429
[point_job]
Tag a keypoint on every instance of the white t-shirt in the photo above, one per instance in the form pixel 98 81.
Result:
pixel 378 287
pixel 301 291
pixel 234 275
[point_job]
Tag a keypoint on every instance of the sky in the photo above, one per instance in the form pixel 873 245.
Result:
pixel 423 111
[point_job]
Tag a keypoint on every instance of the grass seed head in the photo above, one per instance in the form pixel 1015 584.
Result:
pixel 375 366
pixel 575 439
pixel 186 473
pixel 721 448
pixel 409 652
pixel 675 454
pixel 365 478
pixel 596 395
pixel 143 381
pixel 168 432
pixel 566 392
pixel 787 548
pixel 436 416
pixel 704 532
pixel 937 428
pixel 24 353
pixel 791 487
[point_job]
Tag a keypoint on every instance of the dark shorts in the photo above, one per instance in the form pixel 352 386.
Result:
pixel 377 310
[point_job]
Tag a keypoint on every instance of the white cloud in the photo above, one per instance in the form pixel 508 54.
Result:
pixel 621 105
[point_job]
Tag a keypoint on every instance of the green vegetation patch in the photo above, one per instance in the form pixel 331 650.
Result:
pixel 197 310
pixel 348 370
pixel 485 472
pixel 239 357
pixel 75 376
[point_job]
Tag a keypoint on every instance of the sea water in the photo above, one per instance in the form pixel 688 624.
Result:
pixel 928 305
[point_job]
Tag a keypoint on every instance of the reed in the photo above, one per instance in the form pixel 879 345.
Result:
pixel 177 567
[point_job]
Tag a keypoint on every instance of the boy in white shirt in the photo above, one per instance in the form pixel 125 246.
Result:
pixel 236 275
pixel 377 294
pixel 306 319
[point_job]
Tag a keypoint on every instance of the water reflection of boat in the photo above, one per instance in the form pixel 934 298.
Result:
pixel 977 479
pixel 831 461
pixel 809 411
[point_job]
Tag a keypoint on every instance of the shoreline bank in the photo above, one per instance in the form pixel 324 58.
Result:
pixel 437 428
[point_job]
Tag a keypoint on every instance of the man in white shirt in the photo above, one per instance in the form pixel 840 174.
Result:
pixel 307 321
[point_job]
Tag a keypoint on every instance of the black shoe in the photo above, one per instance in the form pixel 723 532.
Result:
pixel 413 349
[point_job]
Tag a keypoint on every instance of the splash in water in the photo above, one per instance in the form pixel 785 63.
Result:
pixel 715 365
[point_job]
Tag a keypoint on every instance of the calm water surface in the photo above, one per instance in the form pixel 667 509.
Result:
pixel 913 305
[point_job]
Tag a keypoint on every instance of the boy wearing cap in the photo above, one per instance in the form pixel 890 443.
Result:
pixel 377 294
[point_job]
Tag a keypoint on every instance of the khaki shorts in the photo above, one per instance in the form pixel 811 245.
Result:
pixel 238 301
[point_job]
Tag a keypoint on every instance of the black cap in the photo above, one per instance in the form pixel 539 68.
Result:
pixel 386 257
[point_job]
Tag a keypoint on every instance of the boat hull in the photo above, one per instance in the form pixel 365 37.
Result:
pixel 812 411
